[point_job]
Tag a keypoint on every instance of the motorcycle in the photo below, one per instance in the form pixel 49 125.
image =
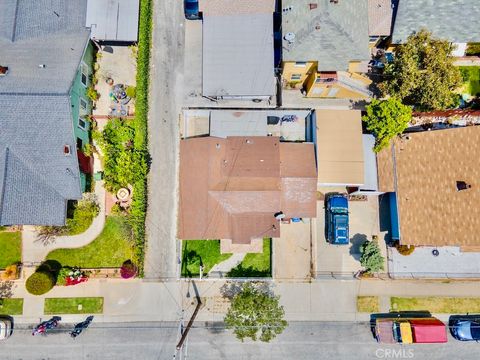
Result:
pixel 80 327
pixel 43 327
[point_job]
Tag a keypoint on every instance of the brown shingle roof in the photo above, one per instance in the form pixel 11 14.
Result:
pixel 231 188
pixel 428 165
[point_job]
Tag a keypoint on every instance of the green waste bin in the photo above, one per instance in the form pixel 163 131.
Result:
pixel 98 176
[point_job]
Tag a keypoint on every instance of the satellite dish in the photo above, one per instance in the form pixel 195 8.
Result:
pixel 279 215
pixel 290 37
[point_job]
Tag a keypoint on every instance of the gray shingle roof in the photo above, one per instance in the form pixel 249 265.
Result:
pixel 454 20
pixel 332 34
pixel 238 55
pixel 36 178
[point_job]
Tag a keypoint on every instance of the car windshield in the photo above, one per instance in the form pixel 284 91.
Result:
pixel 475 330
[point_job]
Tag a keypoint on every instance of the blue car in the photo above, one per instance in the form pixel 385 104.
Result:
pixel 465 329
pixel 191 9
pixel 337 219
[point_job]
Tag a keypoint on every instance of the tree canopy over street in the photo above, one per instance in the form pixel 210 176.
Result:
pixel 255 314
pixel 422 73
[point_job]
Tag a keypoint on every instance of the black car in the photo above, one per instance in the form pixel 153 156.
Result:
pixel 465 328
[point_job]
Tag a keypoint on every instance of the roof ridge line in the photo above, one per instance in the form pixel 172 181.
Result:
pixel 3 182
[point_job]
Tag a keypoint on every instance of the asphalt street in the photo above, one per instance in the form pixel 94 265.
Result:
pixel 301 340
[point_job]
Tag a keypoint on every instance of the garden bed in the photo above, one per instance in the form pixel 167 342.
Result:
pixel 89 305
pixel 10 248
pixel 109 250
pixel 11 306
pixel 368 304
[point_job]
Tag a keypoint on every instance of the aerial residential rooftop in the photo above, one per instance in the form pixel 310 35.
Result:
pixel 331 33
pixel 423 169
pixel 454 20
pixel 238 58
pixel 232 188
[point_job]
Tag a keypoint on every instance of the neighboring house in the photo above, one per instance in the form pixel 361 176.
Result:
pixel 380 16
pixel 433 182
pixel 325 47
pixel 232 189
pixel 43 103
pixel 454 20
pixel 238 57
pixel 340 154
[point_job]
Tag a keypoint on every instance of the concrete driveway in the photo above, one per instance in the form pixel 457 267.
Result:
pixel 292 252
pixel 344 259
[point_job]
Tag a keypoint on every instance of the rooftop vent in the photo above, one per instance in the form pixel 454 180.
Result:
pixel 312 6
pixel 42 66
pixel 287 9
pixel 289 37
pixel 66 150
pixel 279 215
pixel 333 1
pixel 3 70
pixel 462 185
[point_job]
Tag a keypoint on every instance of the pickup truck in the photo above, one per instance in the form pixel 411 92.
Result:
pixel 337 219
pixel 410 330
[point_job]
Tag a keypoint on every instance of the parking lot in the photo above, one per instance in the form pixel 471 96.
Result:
pixel 345 259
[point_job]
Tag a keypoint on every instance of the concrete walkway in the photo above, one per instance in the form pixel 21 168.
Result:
pixel 218 270
pixel 34 251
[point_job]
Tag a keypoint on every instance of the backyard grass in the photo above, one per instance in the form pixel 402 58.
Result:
pixel 10 248
pixel 255 265
pixel 368 304
pixel 446 305
pixel 471 78
pixel 11 306
pixel 90 305
pixel 196 252
pixel 110 249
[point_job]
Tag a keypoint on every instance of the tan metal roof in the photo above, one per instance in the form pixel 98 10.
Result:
pixel 339 147
pixel 236 7
pixel 380 14
pixel 231 188
pixel 428 165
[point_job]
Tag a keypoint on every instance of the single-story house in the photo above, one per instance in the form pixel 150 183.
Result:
pixel 238 58
pixel 237 188
pixel 454 20
pixel 433 181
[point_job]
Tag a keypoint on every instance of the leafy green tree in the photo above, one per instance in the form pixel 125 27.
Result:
pixel 371 258
pixel 255 314
pixel 386 119
pixel 422 73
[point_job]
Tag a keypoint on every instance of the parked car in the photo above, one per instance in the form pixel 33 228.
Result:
pixel 465 328
pixel 5 328
pixel 191 9
pixel 337 219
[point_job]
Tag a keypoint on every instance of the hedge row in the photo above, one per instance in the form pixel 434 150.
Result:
pixel 139 205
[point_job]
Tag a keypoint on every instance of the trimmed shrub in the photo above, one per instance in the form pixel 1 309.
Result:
pixel 128 270
pixel 39 283
pixel 404 250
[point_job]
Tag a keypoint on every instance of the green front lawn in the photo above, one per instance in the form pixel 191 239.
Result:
pixel 255 265
pixel 10 248
pixel 90 305
pixel 196 252
pixel 110 249
pixel 11 306
pixel 471 79
pixel 437 304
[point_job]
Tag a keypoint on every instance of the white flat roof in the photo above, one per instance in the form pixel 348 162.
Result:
pixel 238 56
pixel 113 20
